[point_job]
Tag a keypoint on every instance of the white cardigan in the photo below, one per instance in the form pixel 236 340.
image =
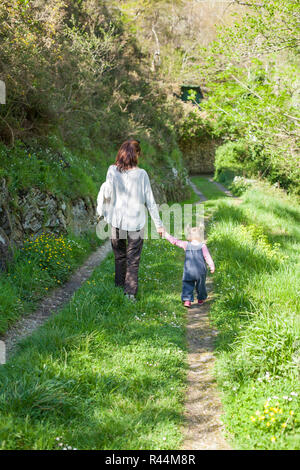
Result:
pixel 123 197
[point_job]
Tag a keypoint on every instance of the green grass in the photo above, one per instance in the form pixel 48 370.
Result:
pixel 36 268
pixel 255 247
pixel 108 374
pixel 51 169
pixel 210 190
pixel 104 373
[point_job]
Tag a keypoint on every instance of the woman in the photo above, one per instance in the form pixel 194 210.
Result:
pixel 128 190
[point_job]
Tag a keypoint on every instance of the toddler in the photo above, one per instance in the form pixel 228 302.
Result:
pixel 194 273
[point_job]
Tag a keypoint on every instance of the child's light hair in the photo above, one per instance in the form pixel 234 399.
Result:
pixel 193 233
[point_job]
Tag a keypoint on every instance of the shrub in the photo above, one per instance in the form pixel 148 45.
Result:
pixel 231 160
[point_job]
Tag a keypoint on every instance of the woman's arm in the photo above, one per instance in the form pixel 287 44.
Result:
pixel 151 204
pixel 108 185
pixel 105 192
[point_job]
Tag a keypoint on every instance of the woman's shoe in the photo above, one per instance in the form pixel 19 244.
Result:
pixel 130 297
pixel 187 303
pixel 200 302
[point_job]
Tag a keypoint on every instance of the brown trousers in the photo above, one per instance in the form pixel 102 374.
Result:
pixel 127 248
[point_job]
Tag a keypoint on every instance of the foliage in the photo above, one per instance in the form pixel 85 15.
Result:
pixel 231 158
pixel 279 418
pixel 240 184
pixel 52 254
pixel 51 169
pixel 173 29
pixel 77 86
pixel 251 72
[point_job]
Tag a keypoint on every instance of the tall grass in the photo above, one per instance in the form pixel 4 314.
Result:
pixel 40 265
pixel 209 190
pixel 256 309
pixel 104 373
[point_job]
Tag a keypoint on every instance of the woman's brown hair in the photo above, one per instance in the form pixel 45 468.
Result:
pixel 128 154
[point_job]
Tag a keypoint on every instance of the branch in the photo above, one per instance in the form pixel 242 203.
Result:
pixel 156 55
pixel 156 39
pixel 12 132
pixel 245 86
pixel 249 4
pixel 223 110
pixel 291 117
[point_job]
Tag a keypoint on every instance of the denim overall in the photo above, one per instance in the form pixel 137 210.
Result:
pixel 194 273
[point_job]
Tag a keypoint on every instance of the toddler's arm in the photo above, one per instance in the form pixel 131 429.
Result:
pixel 208 258
pixel 182 244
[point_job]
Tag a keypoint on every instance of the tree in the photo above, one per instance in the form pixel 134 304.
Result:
pixel 251 70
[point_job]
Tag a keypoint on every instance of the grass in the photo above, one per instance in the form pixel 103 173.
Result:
pixel 210 190
pixel 212 193
pixel 55 169
pixel 108 374
pixel 256 250
pixel 104 373
pixel 51 169
pixel 40 265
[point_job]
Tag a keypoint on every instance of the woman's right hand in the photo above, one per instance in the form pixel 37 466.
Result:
pixel 161 231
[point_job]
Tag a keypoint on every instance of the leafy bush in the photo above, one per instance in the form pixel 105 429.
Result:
pixel 52 254
pixel 63 173
pixel 240 184
pixel 231 160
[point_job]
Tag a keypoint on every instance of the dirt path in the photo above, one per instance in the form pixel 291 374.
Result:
pixel 204 430
pixel 221 187
pixel 203 427
pixel 202 198
pixel 54 302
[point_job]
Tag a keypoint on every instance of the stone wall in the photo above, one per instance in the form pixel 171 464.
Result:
pixel 199 154
pixel 33 212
